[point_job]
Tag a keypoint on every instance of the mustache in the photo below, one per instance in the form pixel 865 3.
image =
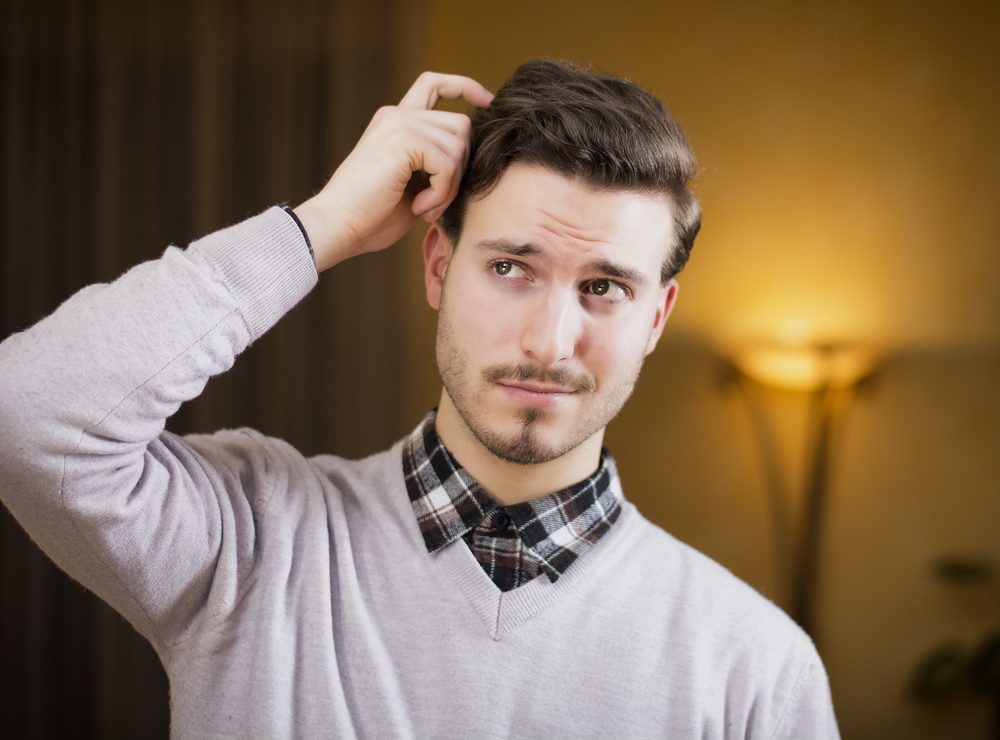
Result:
pixel 558 376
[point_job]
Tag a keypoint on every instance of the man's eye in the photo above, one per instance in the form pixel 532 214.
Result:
pixel 604 288
pixel 507 268
pixel 600 287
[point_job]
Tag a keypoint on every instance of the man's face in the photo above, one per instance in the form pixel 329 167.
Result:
pixel 548 307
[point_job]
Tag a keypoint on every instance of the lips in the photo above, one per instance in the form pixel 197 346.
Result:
pixel 538 396
pixel 537 388
pixel 532 379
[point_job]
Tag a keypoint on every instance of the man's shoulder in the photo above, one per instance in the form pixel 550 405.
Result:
pixel 706 597
pixel 722 637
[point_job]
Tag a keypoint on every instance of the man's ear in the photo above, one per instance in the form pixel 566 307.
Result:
pixel 437 254
pixel 665 300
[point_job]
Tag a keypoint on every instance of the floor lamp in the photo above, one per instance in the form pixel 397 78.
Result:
pixel 829 376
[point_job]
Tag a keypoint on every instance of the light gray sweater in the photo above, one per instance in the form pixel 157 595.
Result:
pixel 293 597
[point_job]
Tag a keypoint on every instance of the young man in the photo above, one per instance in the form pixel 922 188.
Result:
pixel 485 577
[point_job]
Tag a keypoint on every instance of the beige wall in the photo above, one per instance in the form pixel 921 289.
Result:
pixel 848 166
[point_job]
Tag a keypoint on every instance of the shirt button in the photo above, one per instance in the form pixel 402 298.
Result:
pixel 499 521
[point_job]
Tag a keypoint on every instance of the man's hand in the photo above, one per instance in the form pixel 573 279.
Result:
pixel 408 163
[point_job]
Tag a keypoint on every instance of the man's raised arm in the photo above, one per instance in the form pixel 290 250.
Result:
pixel 161 527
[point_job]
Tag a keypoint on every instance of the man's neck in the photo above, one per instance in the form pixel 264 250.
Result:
pixel 507 482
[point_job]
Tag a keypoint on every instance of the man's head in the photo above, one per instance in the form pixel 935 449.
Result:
pixel 560 252
pixel 601 130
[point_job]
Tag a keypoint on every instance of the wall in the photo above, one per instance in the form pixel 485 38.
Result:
pixel 848 162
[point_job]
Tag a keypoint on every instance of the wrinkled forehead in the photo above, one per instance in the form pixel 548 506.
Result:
pixel 565 220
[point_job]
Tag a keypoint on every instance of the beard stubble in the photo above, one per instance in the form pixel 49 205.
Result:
pixel 467 392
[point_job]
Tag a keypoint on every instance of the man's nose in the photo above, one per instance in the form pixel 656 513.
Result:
pixel 552 328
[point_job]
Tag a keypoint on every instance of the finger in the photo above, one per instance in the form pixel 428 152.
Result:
pixel 455 123
pixel 391 117
pixel 456 148
pixel 454 143
pixel 425 134
pixel 443 170
pixel 433 214
pixel 432 86
pixel 434 197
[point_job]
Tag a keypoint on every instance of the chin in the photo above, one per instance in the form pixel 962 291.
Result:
pixel 528 439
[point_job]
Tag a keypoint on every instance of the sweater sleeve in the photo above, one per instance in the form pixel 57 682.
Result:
pixel 159 527
pixel 808 711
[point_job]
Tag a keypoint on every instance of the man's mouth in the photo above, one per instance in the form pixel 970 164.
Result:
pixel 537 394
pixel 539 388
pixel 529 379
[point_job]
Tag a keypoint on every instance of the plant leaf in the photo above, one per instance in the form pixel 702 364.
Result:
pixel 984 666
pixel 964 571
pixel 939 674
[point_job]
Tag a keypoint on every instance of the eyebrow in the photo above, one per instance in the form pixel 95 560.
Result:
pixel 604 267
pixel 516 250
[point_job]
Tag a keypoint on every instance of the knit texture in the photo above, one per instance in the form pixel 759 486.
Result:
pixel 293 597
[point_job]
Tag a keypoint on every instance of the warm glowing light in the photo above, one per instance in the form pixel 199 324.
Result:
pixel 805 368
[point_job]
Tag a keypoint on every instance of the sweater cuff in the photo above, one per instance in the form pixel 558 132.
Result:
pixel 305 234
pixel 265 263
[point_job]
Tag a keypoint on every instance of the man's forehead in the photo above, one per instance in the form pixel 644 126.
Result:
pixel 610 266
pixel 546 213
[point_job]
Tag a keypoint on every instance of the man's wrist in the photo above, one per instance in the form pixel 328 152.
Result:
pixel 305 234
pixel 331 242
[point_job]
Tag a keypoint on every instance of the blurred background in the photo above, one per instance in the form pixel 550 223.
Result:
pixel 849 159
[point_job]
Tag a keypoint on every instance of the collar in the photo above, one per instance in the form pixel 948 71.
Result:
pixel 556 528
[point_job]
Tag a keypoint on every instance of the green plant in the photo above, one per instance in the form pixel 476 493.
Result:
pixel 954 669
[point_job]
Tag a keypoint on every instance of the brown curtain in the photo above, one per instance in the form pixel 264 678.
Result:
pixel 128 126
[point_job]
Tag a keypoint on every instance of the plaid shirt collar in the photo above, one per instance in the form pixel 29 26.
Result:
pixel 554 529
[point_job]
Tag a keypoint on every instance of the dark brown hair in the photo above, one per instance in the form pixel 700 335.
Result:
pixel 604 131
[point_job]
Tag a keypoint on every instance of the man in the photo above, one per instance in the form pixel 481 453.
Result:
pixel 485 577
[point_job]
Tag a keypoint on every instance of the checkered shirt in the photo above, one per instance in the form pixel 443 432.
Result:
pixel 513 544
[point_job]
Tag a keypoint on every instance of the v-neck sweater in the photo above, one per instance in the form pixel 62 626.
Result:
pixel 294 597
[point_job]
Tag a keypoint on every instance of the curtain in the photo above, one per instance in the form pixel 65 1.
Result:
pixel 128 126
